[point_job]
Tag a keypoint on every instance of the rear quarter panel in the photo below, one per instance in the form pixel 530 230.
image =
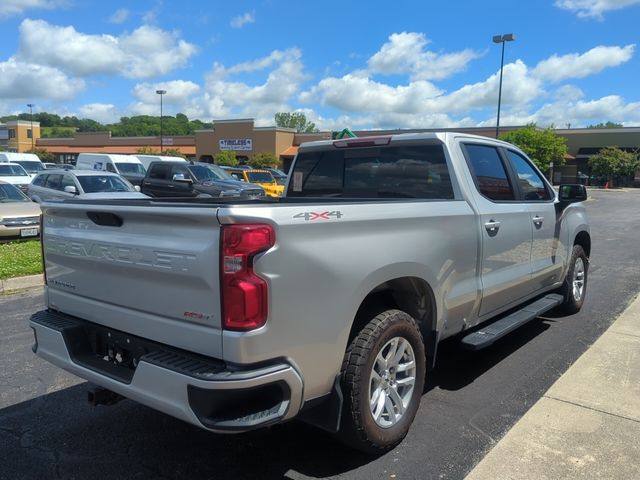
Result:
pixel 320 270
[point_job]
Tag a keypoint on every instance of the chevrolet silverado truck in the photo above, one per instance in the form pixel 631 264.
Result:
pixel 326 305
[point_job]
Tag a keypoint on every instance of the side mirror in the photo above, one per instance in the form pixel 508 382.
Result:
pixel 179 177
pixel 572 193
pixel 136 188
pixel 70 189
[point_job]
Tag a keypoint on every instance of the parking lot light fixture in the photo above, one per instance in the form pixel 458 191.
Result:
pixel 507 37
pixel 161 93
pixel 31 105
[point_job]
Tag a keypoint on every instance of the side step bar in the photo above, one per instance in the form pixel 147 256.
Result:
pixel 488 334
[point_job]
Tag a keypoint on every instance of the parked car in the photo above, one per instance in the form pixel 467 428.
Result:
pixel 29 161
pixel 19 216
pixel 182 179
pixel 264 178
pixel 67 184
pixel 15 174
pixel 128 166
pixel 328 304
pixel 55 166
pixel 279 175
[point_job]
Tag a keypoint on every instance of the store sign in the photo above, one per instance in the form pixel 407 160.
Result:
pixel 167 141
pixel 237 144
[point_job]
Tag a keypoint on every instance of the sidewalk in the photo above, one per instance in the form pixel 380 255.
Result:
pixel 18 283
pixel 587 425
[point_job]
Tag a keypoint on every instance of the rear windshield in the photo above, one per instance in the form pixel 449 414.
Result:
pixel 130 168
pixel 30 166
pixel 374 172
pixel 260 177
pixel 103 183
pixel 8 170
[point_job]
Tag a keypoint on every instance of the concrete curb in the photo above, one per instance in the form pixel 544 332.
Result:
pixel 587 425
pixel 18 283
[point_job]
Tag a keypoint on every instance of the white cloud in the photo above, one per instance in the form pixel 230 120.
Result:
pixel 405 53
pixel 577 112
pixel 178 92
pixel 356 92
pixel 100 112
pixel 224 97
pixel 20 80
pixel 119 16
pixel 561 67
pixel 594 8
pixel 146 52
pixel 17 7
pixel 240 21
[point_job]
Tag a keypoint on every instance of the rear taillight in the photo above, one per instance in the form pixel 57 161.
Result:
pixel 44 270
pixel 245 295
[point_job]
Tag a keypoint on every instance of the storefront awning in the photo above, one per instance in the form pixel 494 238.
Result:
pixel 292 151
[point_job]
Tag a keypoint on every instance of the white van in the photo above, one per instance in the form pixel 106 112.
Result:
pixel 126 165
pixel 29 161
pixel 147 159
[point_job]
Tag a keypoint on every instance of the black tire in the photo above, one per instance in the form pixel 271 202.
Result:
pixel 358 426
pixel 573 302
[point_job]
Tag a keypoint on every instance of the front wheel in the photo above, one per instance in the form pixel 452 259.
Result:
pixel 574 287
pixel 383 377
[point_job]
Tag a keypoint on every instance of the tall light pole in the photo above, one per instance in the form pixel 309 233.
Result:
pixel 31 105
pixel 161 93
pixel 507 37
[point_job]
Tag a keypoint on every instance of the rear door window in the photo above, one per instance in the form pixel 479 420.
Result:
pixel 373 172
pixel 489 172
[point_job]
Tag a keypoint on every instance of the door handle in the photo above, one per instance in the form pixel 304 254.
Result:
pixel 537 220
pixel 492 226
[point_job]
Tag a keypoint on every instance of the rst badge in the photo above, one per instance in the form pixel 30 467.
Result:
pixel 311 216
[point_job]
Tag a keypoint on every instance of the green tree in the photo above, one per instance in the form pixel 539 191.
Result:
pixel 264 160
pixel 227 158
pixel 295 120
pixel 172 152
pixel 606 125
pixel 147 150
pixel 614 163
pixel 43 155
pixel 541 146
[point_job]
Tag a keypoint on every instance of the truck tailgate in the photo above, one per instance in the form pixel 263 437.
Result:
pixel 149 270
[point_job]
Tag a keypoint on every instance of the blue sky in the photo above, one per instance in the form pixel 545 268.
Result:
pixel 344 64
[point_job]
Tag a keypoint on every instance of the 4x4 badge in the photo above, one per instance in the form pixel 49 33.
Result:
pixel 311 216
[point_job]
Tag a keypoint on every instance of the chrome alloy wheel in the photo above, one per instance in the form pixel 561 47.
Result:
pixel 391 382
pixel 578 279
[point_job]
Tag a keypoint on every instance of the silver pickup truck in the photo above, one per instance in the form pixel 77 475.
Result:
pixel 326 305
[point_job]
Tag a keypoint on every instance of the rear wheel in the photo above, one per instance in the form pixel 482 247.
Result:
pixel 382 380
pixel 574 287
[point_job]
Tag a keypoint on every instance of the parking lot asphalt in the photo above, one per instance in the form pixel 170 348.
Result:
pixel 48 430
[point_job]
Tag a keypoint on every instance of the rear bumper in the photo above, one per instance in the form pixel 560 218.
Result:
pixel 204 392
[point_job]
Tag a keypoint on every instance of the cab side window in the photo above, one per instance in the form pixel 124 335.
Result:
pixel 160 171
pixel 111 168
pixel 180 169
pixel 532 186
pixel 40 180
pixel 53 182
pixel 489 172
pixel 67 181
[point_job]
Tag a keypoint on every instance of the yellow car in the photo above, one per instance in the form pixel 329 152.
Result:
pixel 264 178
